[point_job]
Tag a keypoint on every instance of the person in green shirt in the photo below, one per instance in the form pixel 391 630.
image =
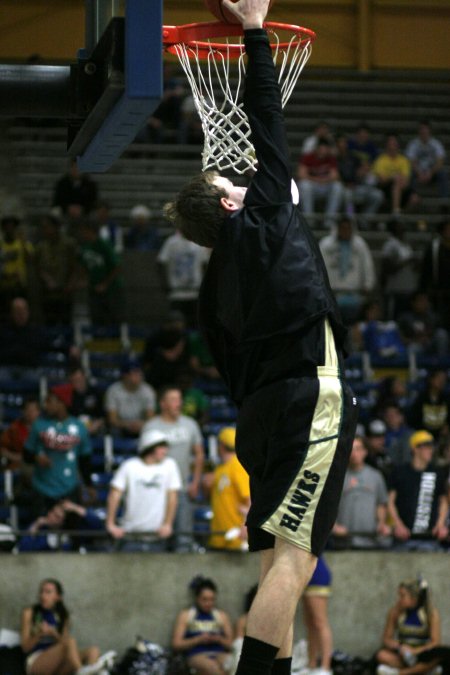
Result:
pixel 103 270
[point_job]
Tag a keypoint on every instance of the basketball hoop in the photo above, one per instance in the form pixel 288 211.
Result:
pixel 216 72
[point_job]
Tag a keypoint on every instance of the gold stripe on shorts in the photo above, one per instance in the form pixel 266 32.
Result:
pixel 322 591
pixel 294 517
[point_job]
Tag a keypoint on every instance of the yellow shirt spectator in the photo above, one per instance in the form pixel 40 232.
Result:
pixel 386 167
pixel 230 495
pixel 15 255
pixel 229 488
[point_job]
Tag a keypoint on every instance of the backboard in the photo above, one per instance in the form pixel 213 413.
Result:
pixel 116 82
pixel 108 93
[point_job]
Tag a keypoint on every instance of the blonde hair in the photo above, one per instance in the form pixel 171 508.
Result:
pixel 419 590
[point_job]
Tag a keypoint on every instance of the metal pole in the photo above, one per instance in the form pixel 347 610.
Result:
pixel 98 14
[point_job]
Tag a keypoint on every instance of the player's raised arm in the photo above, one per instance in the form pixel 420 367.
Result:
pixel 262 104
pixel 251 13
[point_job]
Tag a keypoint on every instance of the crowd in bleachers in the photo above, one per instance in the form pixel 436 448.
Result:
pixel 100 387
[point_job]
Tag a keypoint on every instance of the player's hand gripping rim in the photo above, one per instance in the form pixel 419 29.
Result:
pixel 251 13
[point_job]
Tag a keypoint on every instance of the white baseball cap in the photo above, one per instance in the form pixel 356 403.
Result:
pixel 151 438
pixel 140 211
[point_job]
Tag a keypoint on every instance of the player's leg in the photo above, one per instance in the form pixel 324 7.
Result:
pixel 272 612
pixel 284 655
pixel 274 606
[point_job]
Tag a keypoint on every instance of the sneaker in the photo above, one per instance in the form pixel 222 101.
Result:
pixel 88 670
pixel 387 670
pixel 107 659
pixel 320 671
pixel 104 662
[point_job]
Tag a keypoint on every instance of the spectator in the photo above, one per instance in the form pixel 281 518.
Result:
pixel 149 484
pixel 13 438
pixel 107 226
pixel 358 180
pixel 203 633
pixel 350 267
pixel 431 409
pixel 391 390
pixel 15 256
pixel 412 628
pixel 191 130
pixel 56 256
pixel 399 269
pixel 377 454
pixel 322 132
pixel 362 146
pixel 64 515
pixel 59 448
pixel 103 271
pixel 46 641
pixel 12 444
pixel 169 358
pixel 174 321
pixel 362 510
pixel 186 447
pixel 319 179
pixel 315 617
pixel 166 119
pixel 142 234
pixel 229 493
pixel 86 400
pixel 397 433
pixel 435 273
pixel 393 172
pixel 130 403
pixel 427 157
pixel 22 343
pixel 201 361
pixel 195 401
pixel 382 339
pixel 420 328
pixel 75 193
pixel 418 504
pixel 183 264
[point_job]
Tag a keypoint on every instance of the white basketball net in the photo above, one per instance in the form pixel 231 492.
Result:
pixel 227 143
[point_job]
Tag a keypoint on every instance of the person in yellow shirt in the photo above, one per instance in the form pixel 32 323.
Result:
pixel 392 170
pixel 229 490
pixel 15 256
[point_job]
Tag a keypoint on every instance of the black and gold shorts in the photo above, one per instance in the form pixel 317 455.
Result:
pixel 294 438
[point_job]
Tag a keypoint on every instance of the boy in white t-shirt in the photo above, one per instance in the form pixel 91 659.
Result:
pixel 149 485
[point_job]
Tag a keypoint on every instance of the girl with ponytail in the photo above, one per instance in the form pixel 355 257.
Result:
pixel 45 639
pixel 412 628
pixel 203 632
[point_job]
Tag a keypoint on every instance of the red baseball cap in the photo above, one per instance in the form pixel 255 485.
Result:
pixel 64 392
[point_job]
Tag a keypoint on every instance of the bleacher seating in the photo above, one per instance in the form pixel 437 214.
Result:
pixel 151 174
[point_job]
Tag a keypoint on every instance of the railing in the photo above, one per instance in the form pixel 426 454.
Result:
pixel 79 540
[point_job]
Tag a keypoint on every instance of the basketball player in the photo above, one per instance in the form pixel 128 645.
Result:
pixel 274 330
